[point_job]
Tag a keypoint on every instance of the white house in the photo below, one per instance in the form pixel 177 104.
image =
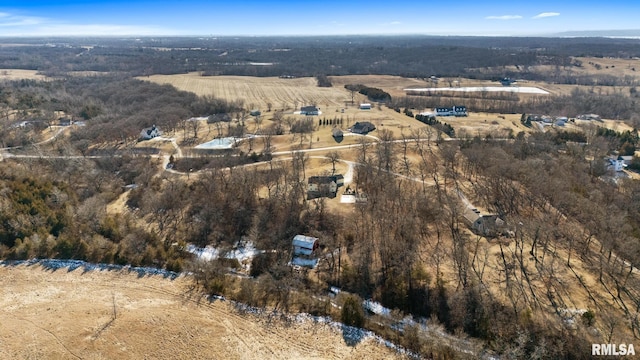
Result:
pixel 365 106
pixel 451 111
pixel 617 164
pixel 150 133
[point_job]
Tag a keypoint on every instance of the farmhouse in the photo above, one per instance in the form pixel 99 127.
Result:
pixel 64 121
pixel 507 81
pixel 309 110
pixel 538 117
pixel 304 251
pixel 150 133
pixel 451 111
pixel 321 186
pixel 561 120
pixel 254 113
pixel 362 127
pixel 365 106
pixel 617 163
pixel 489 225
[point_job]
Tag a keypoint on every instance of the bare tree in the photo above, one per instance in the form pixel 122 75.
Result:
pixel 333 157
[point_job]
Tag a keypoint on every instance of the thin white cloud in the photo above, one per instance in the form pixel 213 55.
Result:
pixel 504 17
pixel 395 23
pixel 17 25
pixel 99 30
pixel 546 15
pixel 9 20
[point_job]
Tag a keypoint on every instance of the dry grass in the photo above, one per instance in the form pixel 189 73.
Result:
pixel 69 314
pixel 257 91
pixel 18 74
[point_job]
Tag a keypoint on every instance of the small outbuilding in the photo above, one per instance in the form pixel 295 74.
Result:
pixel 304 251
pixel 365 106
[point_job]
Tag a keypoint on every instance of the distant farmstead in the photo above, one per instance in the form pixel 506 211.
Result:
pixel 309 110
pixel 150 133
pixel 451 111
pixel 365 106
pixel 363 127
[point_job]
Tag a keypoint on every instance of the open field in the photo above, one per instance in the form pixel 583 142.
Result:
pixel 257 91
pixel 62 314
pixel 19 74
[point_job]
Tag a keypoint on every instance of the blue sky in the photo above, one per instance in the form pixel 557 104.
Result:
pixel 285 17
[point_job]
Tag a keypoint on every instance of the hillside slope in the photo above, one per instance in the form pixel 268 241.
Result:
pixel 64 314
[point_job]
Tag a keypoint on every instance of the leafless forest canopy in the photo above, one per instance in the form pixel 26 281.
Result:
pixel 573 239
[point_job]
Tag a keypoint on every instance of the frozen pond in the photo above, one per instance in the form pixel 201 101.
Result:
pixel 514 89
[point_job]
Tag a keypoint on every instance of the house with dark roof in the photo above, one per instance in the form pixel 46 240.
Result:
pixel 324 186
pixel 507 81
pixel 488 225
pixel 363 127
pixel 451 111
pixel 150 133
pixel 309 110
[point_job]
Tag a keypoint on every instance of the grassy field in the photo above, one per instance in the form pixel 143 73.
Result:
pixel 257 91
pixel 18 74
pixel 62 314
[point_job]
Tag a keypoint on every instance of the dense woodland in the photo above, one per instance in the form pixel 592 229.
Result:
pixel 411 56
pixel 553 185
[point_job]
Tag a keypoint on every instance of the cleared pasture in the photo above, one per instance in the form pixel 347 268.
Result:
pixel 20 74
pixel 258 92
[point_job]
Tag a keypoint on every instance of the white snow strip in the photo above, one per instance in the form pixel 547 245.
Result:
pixel 222 143
pixel 241 253
pixel 513 89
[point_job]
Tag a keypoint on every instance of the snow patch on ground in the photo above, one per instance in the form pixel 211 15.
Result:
pixel 247 251
pixel 72 265
pixel 351 335
pixel 221 143
pixel 514 89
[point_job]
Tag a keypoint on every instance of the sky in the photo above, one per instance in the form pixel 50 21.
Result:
pixel 331 17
